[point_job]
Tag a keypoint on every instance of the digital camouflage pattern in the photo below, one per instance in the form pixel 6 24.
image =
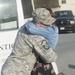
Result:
pixel 26 49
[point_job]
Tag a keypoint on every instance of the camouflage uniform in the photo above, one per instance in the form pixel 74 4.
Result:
pixel 26 49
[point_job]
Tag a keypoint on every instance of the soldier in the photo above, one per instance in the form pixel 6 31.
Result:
pixel 29 46
pixel 50 32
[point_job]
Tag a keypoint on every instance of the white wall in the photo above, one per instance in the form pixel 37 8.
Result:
pixel 70 5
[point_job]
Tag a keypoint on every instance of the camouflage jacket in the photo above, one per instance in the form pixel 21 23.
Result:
pixel 26 49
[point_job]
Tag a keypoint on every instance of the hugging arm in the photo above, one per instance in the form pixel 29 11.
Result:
pixel 43 50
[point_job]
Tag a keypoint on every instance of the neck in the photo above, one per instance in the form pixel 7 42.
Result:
pixel 41 25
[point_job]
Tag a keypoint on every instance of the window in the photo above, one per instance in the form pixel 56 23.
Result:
pixel 63 14
pixel 27 8
pixel 8 16
pixel 63 1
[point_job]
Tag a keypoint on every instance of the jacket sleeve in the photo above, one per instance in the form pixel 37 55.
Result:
pixel 43 50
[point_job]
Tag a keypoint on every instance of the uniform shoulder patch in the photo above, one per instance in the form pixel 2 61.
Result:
pixel 45 44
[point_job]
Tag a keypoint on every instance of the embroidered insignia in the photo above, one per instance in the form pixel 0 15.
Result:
pixel 45 45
